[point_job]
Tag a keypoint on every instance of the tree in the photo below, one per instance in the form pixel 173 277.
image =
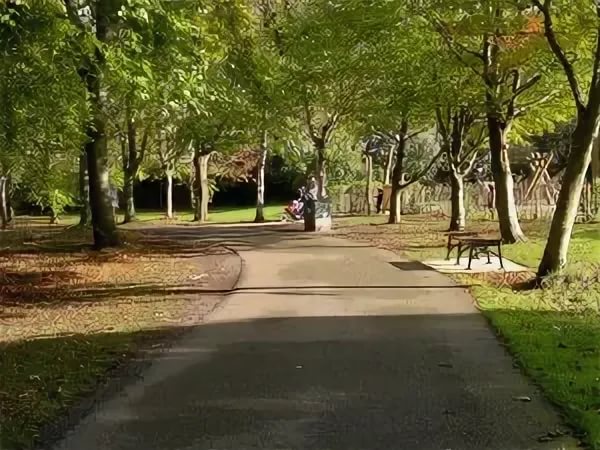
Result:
pixel 461 139
pixel 582 26
pixel 96 31
pixel 501 46
pixel 38 161
pixel 401 100
pixel 326 61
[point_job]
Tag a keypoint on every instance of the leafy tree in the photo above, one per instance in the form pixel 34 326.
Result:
pixel 401 101
pixel 580 25
pixel 502 46
pixel 38 160
pixel 327 60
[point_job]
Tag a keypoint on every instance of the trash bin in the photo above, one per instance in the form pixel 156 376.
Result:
pixel 317 215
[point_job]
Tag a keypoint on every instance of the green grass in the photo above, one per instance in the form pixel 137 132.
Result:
pixel 558 349
pixel 216 215
pixel 224 215
pixel 553 333
pixel 47 376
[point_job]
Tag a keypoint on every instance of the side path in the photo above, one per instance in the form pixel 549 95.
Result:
pixel 328 344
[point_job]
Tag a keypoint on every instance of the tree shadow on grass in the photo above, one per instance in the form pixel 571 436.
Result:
pixel 340 383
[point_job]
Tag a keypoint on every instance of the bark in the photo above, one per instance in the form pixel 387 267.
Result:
pixel 103 221
pixel 510 229
pixel 130 168
pixel 588 195
pixel 204 186
pixel 321 174
pixel 10 213
pixel 567 205
pixel 54 219
pixel 369 193
pixel 128 183
pixel 395 199
pixel 260 182
pixel 197 186
pixel 458 216
pixel 169 175
pixel 201 186
pixel 389 167
pixel 3 203
pixel 85 213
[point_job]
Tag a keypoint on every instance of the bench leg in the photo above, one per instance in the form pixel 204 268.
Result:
pixel 458 254
pixel 470 257
pixel 449 250
pixel 500 255
pixel 488 255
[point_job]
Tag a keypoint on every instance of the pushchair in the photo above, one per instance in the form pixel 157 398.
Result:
pixel 295 209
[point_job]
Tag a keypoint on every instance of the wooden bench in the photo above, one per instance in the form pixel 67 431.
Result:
pixel 453 240
pixel 476 245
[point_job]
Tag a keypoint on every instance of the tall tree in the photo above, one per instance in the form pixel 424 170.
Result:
pixel 461 140
pixel 96 29
pixel 581 22
pixel 496 42
pixel 327 60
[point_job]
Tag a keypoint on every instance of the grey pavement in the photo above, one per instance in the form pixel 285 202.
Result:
pixel 327 344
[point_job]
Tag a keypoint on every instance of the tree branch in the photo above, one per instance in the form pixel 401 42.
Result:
pixel 415 133
pixel 424 171
pixel 523 109
pixel 560 53
pixel 519 90
pixel 458 52
pixel 143 146
pixel 442 126
pixel 308 117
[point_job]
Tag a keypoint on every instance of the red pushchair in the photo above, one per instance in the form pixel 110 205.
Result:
pixel 295 209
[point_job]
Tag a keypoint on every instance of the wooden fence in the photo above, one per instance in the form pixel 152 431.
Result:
pixel 533 202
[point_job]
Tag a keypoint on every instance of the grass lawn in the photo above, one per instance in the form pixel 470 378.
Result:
pixel 215 215
pixel 70 317
pixel 553 333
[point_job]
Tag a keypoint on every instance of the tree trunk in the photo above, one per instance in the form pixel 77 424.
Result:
pixel 395 203
pixel 130 169
pixel 10 213
pixel 204 186
pixel 103 220
pixel 260 181
pixel 397 178
pixel 85 213
pixel 54 219
pixel 510 229
pixel 588 195
pixel 3 203
pixel 128 183
pixel 201 186
pixel 458 215
pixel 369 193
pixel 389 167
pixel 567 205
pixel 321 174
pixel 197 187
pixel 169 175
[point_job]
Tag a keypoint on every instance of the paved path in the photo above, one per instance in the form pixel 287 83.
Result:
pixel 327 344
